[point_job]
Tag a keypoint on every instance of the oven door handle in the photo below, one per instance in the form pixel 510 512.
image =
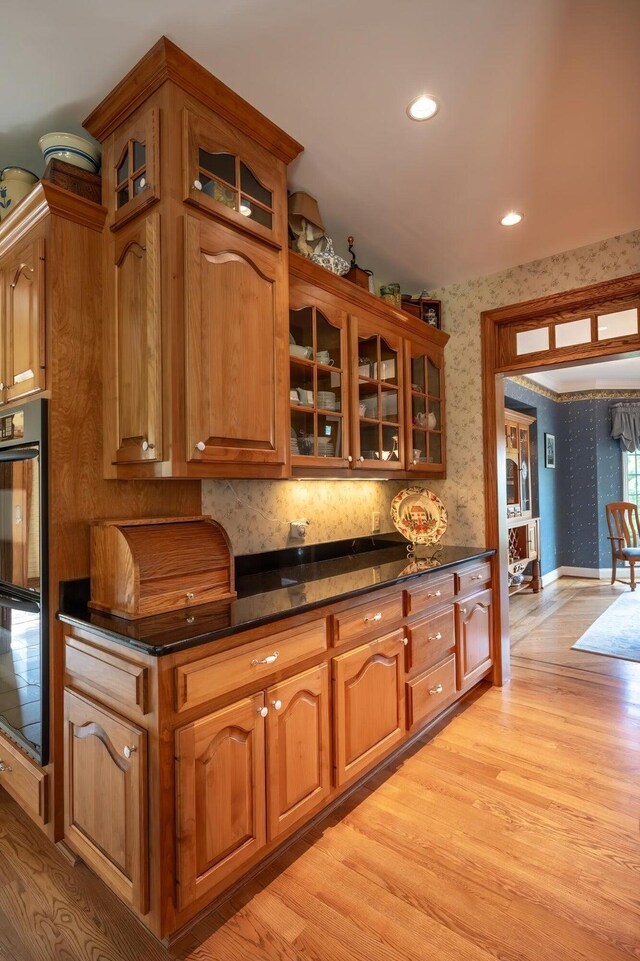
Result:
pixel 19 604
pixel 19 453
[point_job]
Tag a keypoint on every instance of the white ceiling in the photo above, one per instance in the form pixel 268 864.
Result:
pixel 605 375
pixel 539 111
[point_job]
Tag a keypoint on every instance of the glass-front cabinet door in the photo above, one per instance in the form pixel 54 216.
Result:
pixel 230 175
pixel 319 432
pixel 426 421
pixel 377 399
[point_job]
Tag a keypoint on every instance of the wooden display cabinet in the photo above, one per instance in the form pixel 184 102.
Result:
pixel 425 410
pixel 377 383
pixel 523 529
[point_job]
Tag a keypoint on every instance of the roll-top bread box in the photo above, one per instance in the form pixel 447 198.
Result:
pixel 148 566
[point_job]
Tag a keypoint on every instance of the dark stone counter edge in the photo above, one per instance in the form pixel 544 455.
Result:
pixel 84 622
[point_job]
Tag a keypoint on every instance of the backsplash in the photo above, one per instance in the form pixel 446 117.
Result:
pixel 256 513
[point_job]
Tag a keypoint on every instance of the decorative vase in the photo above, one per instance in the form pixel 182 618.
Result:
pixel 15 183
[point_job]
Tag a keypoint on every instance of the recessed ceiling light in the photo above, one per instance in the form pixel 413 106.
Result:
pixel 423 107
pixel 511 219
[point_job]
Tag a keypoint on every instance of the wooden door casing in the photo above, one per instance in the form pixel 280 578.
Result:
pixel 220 783
pixel 134 343
pixel 368 694
pixel 298 748
pixel 473 638
pixel 24 336
pixel 236 371
pixel 106 813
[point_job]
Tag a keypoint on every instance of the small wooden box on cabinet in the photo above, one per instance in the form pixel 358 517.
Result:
pixel 143 567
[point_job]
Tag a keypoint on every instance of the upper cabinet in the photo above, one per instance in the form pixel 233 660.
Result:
pixel 366 382
pixel 518 462
pixel 23 333
pixel 196 286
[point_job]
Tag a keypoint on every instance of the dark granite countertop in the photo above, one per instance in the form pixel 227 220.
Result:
pixel 266 595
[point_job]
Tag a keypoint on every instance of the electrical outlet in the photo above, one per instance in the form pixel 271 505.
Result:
pixel 298 530
pixel 375 522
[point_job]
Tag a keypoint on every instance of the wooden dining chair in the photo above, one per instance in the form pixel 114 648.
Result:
pixel 624 534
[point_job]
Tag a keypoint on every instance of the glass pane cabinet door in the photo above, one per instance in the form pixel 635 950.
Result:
pixel 134 170
pixel 525 479
pixel 426 406
pixel 378 379
pixel 316 362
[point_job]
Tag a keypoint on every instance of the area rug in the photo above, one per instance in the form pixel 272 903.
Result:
pixel 616 633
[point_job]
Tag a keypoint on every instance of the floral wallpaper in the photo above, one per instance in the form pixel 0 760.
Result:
pixel 256 514
pixel 462 304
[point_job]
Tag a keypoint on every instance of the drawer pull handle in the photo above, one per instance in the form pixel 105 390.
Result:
pixel 4 768
pixel 376 617
pixel 435 637
pixel 269 659
pixel 189 595
pixel 437 594
pixel 477 577
pixel 436 690
pixel 263 711
pixel 128 751
pixel 405 641
pixel 276 705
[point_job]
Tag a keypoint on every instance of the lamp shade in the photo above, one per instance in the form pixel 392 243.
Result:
pixel 304 207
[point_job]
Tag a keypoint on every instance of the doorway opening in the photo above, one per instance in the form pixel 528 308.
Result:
pixel 573 329
pixel 562 469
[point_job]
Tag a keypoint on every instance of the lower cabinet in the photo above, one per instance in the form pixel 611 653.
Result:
pixel 106 813
pixel 368 690
pixel 473 638
pixel 265 755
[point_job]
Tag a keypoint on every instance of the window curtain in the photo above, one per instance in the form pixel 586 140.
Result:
pixel 625 426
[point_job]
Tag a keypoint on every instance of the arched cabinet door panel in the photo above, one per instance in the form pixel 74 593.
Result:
pixel 298 748
pixel 106 815
pixel 220 779
pixel 236 337
pixel 23 363
pixel 368 685
pixel 473 639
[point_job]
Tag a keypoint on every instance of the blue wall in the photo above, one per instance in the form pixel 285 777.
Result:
pixel 570 500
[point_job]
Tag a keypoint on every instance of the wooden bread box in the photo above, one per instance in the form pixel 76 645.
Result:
pixel 148 566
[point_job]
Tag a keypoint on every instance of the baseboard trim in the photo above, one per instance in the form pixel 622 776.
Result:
pixel 551 576
pixel 598 573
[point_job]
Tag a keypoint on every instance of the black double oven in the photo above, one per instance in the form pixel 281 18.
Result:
pixel 24 607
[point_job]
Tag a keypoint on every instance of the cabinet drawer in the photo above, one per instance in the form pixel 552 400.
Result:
pixel 373 617
pixel 430 640
pixel 24 780
pixel 204 680
pixel 473 578
pixel 435 592
pixel 430 693
pixel 113 678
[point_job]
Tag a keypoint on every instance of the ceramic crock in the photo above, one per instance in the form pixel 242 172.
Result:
pixel 15 183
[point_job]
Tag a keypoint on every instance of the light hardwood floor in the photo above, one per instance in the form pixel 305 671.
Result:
pixel 510 833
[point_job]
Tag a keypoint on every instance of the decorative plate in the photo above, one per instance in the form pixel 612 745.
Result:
pixel 419 515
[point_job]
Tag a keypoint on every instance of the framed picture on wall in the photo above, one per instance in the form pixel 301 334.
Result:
pixel 549 450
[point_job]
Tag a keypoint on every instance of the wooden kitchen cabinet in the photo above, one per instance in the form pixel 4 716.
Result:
pixel 220 782
pixel 106 814
pixel 132 180
pixel 23 329
pixel 298 748
pixel 133 338
pixel 473 639
pixel 368 691
pixel 235 348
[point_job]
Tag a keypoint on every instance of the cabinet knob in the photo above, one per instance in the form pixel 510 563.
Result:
pixel 405 641
pixel 349 458
pixel 189 595
pixel 435 637
pixel 361 458
pixel 4 768
pixel 276 705
pixel 201 445
pixel 463 611
pixel 143 183
pixel 269 659
pixel 128 751
pixel 263 711
pixel 3 386
pixel 147 446
pixel 436 690
pixel 196 185
pixel 376 617
pixel 435 594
